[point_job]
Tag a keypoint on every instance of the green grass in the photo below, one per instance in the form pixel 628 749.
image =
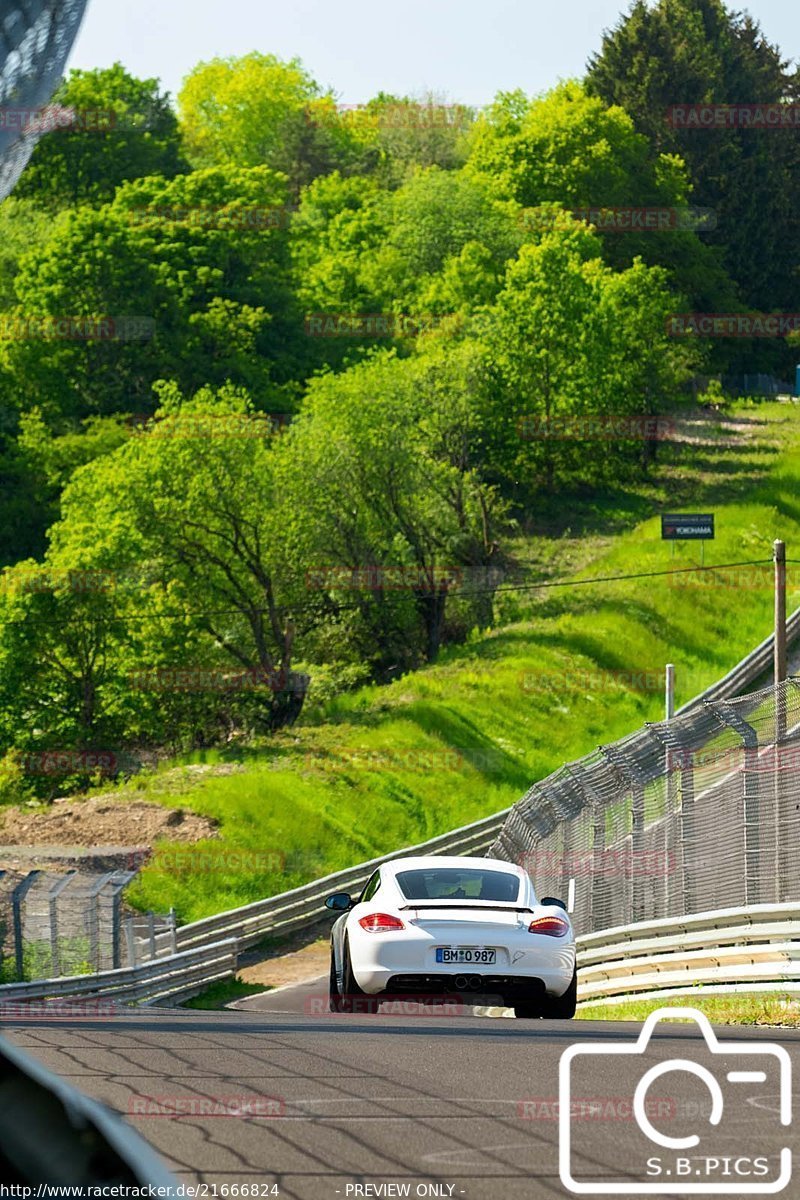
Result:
pixel 759 1008
pixel 352 779
pixel 218 994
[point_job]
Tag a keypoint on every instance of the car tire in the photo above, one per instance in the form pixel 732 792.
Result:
pixel 334 996
pixel 562 1008
pixel 351 996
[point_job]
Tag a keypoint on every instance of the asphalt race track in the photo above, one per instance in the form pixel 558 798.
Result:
pixel 327 1106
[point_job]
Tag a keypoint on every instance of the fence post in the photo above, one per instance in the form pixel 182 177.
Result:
pixel 729 716
pixel 116 906
pixel 17 896
pixel 152 933
pixel 173 929
pixel 597 906
pixel 55 891
pixel 94 917
pixel 634 782
pixel 130 941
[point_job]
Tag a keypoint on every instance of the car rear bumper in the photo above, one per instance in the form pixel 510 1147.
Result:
pixel 553 982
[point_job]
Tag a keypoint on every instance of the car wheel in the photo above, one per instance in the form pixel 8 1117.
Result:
pixel 352 993
pixel 334 997
pixel 562 1007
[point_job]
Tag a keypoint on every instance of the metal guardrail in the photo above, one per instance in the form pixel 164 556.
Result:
pixel 754 948
pixel 162 978
pixel 302 906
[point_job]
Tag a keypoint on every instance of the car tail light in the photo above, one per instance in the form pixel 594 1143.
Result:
pixel 552 926
pixel 380 923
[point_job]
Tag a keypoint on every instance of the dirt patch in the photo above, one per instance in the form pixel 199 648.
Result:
pixel 102 821
pixel 296 967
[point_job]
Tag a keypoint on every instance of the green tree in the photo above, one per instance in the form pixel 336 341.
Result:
pixel 210 283
pixel 397 510
pixel 192 497
pixel 123 128
pixel 690 52
pixel 257 110
pixel 572 149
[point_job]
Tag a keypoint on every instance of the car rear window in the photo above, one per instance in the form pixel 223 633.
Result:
pixel 458 883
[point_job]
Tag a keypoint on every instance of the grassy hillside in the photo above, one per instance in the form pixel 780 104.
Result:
pixel 568 667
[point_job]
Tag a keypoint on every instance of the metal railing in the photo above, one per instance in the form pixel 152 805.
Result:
pixel 684 816
pixel 170 977
pixel 753 949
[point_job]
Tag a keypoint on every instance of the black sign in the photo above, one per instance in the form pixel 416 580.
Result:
pixel 687 527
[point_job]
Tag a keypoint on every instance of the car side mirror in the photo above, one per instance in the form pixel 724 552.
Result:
pixel 340 901
pixel 553 900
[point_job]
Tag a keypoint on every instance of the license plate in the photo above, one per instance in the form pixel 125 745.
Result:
pixel 465 954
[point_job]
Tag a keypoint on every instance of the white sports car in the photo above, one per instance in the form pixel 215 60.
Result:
pixel 445 926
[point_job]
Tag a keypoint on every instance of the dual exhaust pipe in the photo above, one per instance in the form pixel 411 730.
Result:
pixel 468 983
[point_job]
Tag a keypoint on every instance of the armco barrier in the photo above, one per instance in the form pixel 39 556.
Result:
pixel 302 906
pixel 736 948
pixel 171 977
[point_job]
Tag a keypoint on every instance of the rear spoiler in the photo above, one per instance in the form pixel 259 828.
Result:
pixel 510 908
